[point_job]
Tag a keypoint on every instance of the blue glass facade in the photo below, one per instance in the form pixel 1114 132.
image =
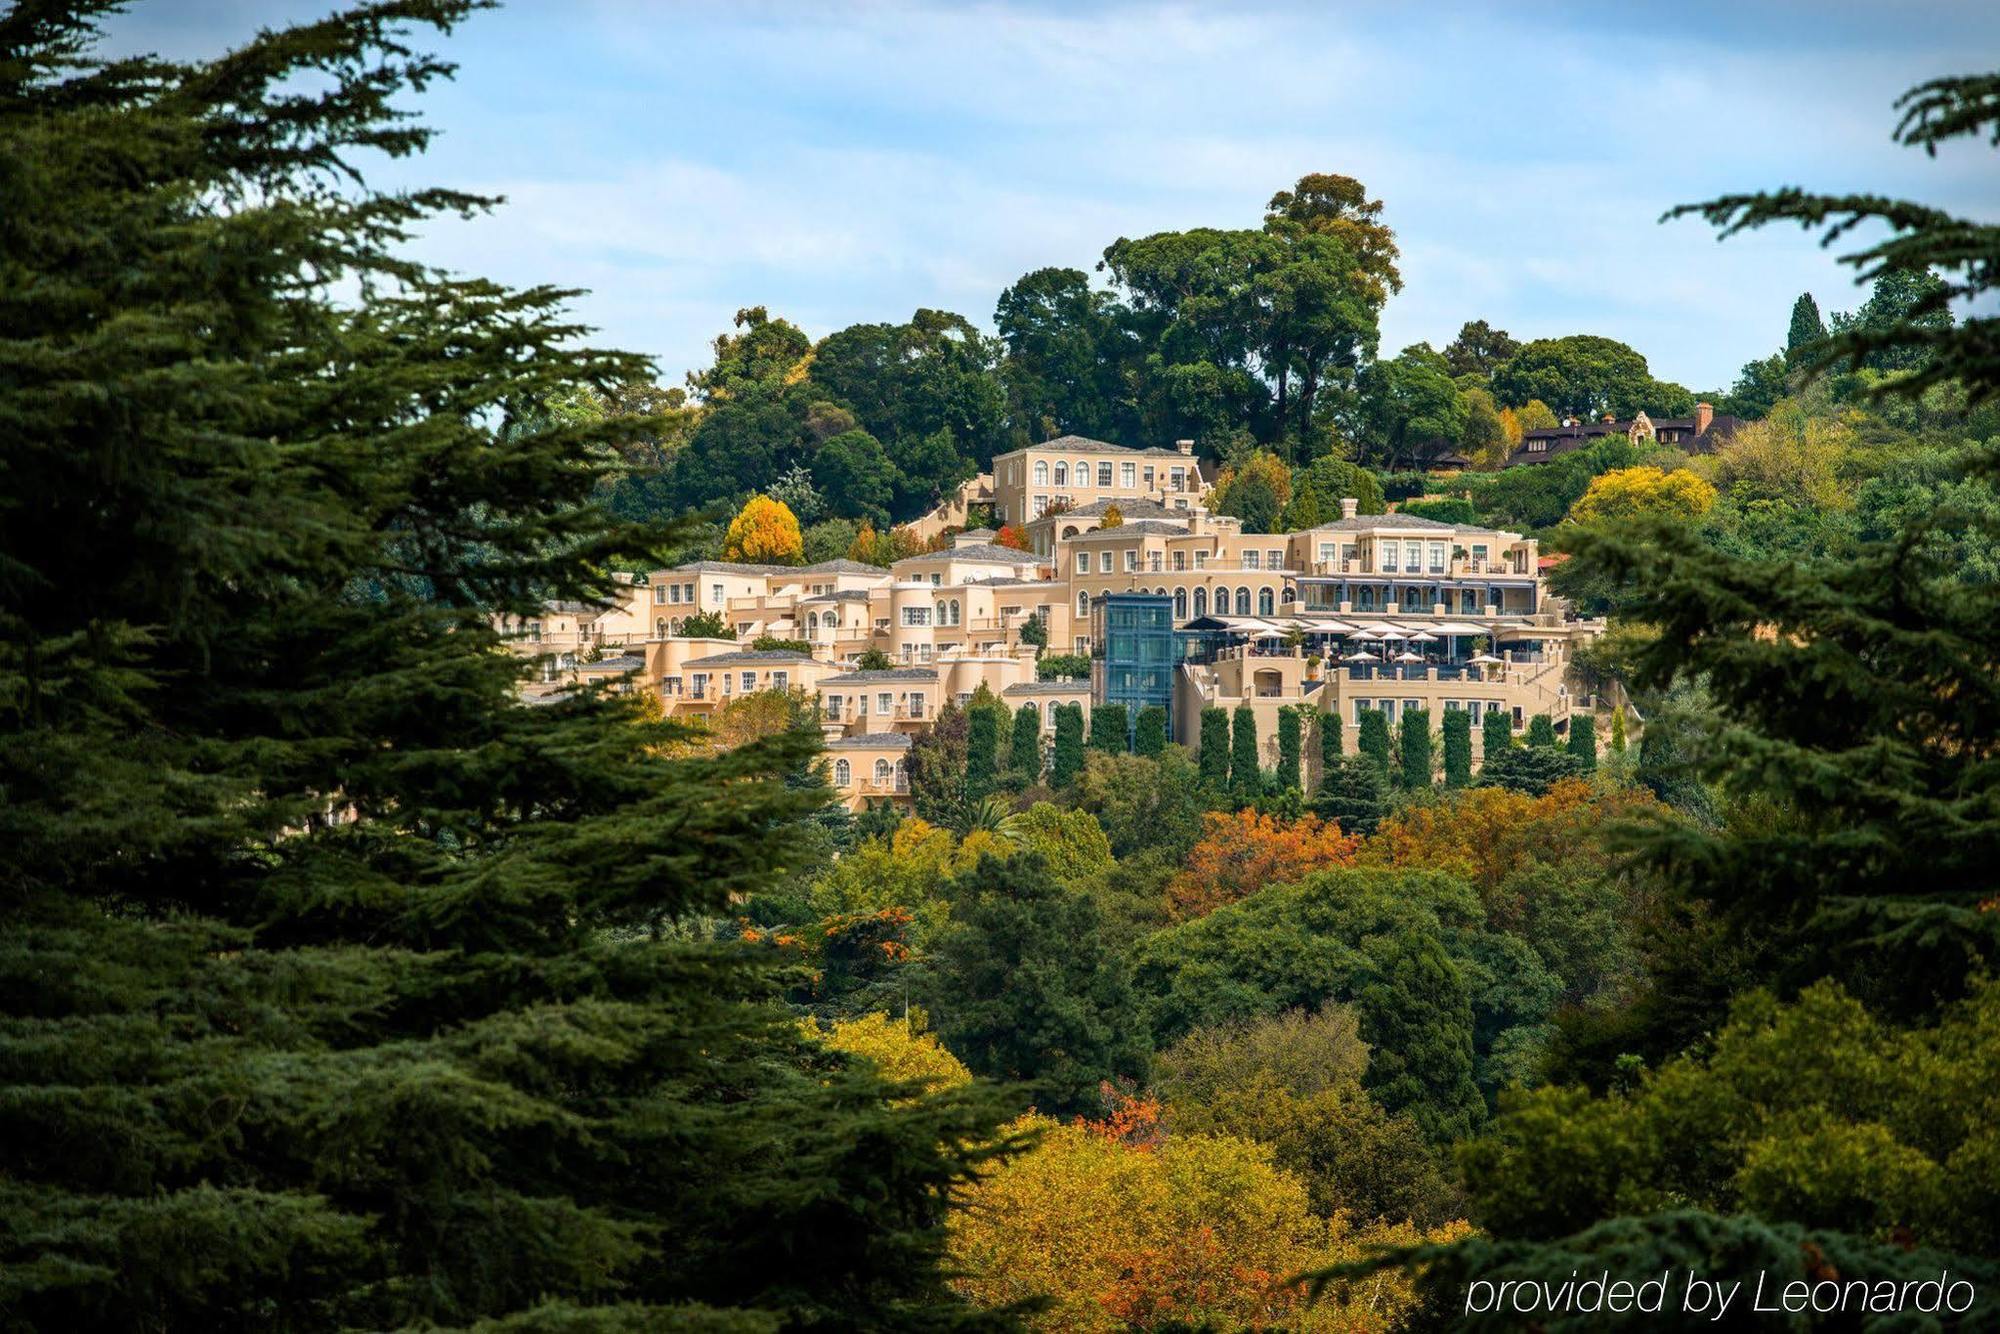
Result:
pixel 1135 654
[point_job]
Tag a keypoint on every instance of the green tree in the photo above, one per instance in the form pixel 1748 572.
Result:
pixel 1291 749
pixel 707 625
pixel 872 660
pixel 1352 793
pixel 939 773
pixel 1582 376
pixel 1457 728
pixel 1479 349
pixel 1417 1019
pixel 1373 742
pixel 1066 759
pixel 1496 735
pixel 1618 730
pixel 1530 769
pixel 1071 364
pixel 341 990
pixel 1805 332
pixel 1213 758
pixel 1408 404
pixel 1329 740
pixel 1246 777
pixel 1035 632
pixel 982 746
pixel 1415 746
pixel 1024 753
pixel 1583 741
pixel 1150 739
pixel 1109 728
pixel 1022 988
pixel 855 476
pixel 1541 730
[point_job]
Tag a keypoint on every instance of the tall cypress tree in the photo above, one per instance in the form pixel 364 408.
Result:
pixel 1150 735
pixel 336 987
pixel 1024 751
pixel 1212 759
pixel 1583 741
pixel 1415 744
pixel 1496 735
pixel 1807 328
pixel 1290 749
pixel 1373 743
pixel 1457 727
pixel 982 750
pixel 1246 778
pixel 1330 742
pixel 1108 728
pixel 1066 761
pixel 1541 730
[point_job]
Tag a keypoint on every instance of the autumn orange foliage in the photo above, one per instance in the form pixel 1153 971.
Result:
pixel 1241 852
pixel 1487 834
pixel 1011 537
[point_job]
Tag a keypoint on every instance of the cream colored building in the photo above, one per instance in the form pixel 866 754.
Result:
pixel 1072 471
pixel 870 768
pixel 1285 619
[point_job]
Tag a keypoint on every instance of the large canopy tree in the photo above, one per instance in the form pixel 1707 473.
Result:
pixel 336 987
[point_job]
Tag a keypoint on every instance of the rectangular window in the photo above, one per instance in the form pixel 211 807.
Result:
pixel 1131 561
pixel 1473 708
pixel 700 681
pixel 1083 562
pixel 1179 478
pixel 833 708
pixel 781 680
pixel 673 593
pixel 916 706
pixel 1180 560
pixel 1413 556
pixel 1274 560
pixel 1104 563
pixel 1251 560
pixel 1388 710
pixel 1479 553
pixel 1326 552
pixel 749 682
pixel 659 593
pixel 1153 562
pixel 1149 478
pixel 1361 706
pixel 1437 558
pixel 937 579
pixel 687 592
pixel 715 593
pixel 1452 706
pixel 885 704
pixel 1041 506
pixel 1104 474
pixel 1410 704
pixel 1127 475
pixel 916 616
pixel 1201 560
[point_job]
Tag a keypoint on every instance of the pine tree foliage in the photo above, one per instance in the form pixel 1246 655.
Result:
pixel 1457 729
pixel 1373 742
pixel 1108 723
pixel 1066 761
pixel 1024 750
pixel 1212 758
pixel 1291 748
pixel 335 985
pixel 1414 745
pixel 1246 777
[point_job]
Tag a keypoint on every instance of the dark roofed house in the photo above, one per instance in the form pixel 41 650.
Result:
pixel 1702 433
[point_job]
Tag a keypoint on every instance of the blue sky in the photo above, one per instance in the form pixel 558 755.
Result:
pixel 841 163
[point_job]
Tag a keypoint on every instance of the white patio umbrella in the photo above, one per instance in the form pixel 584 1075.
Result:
pixel 1361 657
pixel 1269 634
pixel 1407 656
pixel 1487 660
pixel 1422 638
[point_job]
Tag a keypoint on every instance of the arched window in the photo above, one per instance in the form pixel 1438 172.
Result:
pixel 902 778
pixel 1083 604
pixel 1083 472
pixel 1243 602
pixel 812 620
pixel 1062 474
pixel 940 614
pixel 1069 532
pixel 1200 602
pixel 1041 472
pixel 660 628
pixel 882 773
pixel 1222 602
pixel 954 611
pixel 843 773
pixel 1265 603
pixel 1180 604
pixel 1365 598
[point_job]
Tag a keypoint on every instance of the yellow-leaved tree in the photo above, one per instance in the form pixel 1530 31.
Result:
pixel 1120 1228
pixel 764 532
pixel 1643 492
pixel 898 1052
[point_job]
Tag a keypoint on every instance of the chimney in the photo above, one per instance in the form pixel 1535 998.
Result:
pixel 1348 504
pixel 1184 446
pixel 1703 415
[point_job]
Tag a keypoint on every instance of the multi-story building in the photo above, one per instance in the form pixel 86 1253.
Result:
pixel 1381 611
pixel 1071 471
